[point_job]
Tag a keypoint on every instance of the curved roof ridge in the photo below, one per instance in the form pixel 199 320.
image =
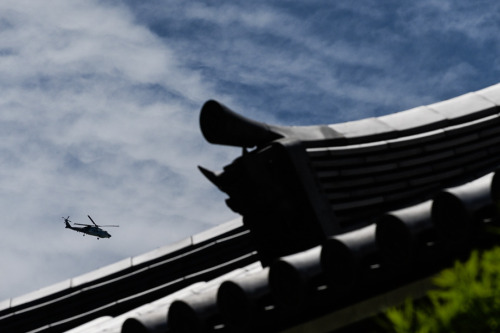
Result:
pixel 220 125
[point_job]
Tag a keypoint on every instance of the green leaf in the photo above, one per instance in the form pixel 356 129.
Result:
pixel 467 299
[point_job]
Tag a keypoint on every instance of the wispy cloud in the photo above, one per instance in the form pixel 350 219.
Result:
pixel 315 62
pixel 99 105
pixel 98 117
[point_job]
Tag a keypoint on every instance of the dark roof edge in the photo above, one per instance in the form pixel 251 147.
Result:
pixel 221 125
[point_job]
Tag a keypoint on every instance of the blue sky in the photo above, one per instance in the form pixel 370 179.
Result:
pixel 99 105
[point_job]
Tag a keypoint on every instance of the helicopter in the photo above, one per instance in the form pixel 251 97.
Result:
pixel 89 229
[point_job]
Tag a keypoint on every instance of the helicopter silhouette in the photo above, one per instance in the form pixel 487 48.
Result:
pixel 89 229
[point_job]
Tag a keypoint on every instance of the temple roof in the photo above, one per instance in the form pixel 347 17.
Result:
pixel 338 221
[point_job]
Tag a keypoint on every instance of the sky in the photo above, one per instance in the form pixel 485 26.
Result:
pixel 100 101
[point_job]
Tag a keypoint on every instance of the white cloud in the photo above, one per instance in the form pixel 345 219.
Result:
pixel 99 105
pixel 477 21
pixel 83 131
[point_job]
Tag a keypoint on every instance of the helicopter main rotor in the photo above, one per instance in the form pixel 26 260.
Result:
pixel 95 224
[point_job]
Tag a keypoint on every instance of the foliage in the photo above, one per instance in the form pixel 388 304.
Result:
pixel 467 300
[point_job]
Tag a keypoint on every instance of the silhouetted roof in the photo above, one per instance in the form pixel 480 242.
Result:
pixel 338 222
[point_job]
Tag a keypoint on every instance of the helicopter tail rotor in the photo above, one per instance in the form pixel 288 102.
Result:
pixel 66 221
